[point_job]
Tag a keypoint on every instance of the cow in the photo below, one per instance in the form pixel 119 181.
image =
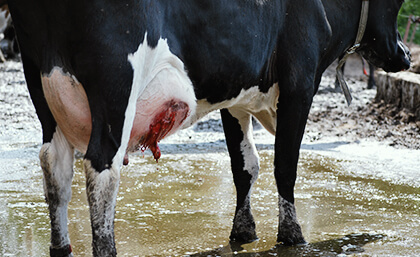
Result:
pixel 111 77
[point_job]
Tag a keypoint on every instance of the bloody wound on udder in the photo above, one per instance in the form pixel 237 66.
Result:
pixel 162 124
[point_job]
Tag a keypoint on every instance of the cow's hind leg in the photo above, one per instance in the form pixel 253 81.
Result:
pixel 57 165
pixel 56 158
pixel 245 166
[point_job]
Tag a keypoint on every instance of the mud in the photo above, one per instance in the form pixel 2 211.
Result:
pixel 365 118
pixel 357 193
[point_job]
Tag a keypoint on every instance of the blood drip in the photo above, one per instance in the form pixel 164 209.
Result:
pixel 162 125
pixel 125 161
pixel 364 71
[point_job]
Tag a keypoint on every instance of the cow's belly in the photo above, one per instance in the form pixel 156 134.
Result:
pixel 262 106
pixel 159 112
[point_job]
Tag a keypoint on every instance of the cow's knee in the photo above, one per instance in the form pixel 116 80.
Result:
pixel 57 164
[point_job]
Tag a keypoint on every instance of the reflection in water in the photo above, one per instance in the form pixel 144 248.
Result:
pixel 184 206
pixel 350 244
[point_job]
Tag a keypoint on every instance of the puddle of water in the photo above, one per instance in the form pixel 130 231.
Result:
pixel 184 206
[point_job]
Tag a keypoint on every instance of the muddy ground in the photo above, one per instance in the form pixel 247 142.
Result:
pixel 365 118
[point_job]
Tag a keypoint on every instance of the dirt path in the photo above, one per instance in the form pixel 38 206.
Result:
pixel 364 119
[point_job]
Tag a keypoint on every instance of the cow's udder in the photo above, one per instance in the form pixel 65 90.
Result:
pixel 168 120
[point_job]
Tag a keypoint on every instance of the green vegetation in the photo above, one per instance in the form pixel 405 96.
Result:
pixel 409 7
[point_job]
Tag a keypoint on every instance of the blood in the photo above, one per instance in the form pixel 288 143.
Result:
pixel 365 72
pixel 125 161
pixel 364 68
pixel 174 113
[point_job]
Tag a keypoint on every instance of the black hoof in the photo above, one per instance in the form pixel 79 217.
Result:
pixel 65 251
pixel 243 230
pixel 290 233
pixel 291 240
pixel 243 237
pixel 371 85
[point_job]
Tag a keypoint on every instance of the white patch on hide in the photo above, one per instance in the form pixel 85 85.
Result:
pixel 262 106
pixel 249 151
pixel 102 190
pixel 156 71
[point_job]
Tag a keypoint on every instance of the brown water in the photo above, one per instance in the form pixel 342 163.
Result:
pixel 184 206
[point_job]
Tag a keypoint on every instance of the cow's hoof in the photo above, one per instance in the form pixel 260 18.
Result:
pixel 243 237
pixel 290 237
pixel 290 233
pixel 371 85
pixel 291 241
pixel 243 230
pixel 65 251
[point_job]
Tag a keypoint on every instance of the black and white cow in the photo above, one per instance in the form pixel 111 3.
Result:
pixel 112 77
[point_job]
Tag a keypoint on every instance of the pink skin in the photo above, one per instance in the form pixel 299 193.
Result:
pixel 157 115
pixel 69 105
pixel 165 117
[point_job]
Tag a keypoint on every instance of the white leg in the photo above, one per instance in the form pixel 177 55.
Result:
pixel 102 189
pixel 57 159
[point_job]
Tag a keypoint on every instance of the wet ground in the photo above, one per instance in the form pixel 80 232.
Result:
pixel 357 193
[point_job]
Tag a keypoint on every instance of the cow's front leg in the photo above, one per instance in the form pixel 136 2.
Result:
pixel 245 166
pixel 56 157
pixel 292 113
pixel 57 164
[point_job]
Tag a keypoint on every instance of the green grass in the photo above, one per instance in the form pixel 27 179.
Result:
pixel 409 7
